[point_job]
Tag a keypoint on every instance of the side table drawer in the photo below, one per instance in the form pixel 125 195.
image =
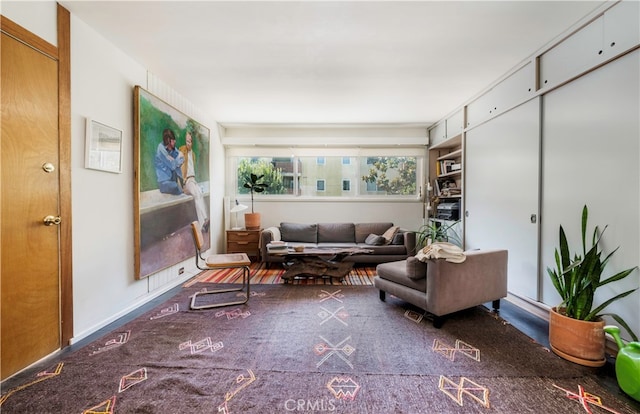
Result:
pixel 234 236
pixel 244 241
pixel 242 246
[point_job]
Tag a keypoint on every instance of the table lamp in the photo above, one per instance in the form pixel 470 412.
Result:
pixel 236 209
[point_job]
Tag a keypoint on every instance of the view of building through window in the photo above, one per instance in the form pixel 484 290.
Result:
pixel 332 176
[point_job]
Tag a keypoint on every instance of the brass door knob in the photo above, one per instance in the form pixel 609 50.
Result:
pixel 52 220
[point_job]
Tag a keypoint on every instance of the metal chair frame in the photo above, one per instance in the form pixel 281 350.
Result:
pixel 220 261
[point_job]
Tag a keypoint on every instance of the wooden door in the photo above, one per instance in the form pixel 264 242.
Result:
pixel 30 294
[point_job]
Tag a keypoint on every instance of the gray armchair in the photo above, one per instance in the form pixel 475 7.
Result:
pixel 440 287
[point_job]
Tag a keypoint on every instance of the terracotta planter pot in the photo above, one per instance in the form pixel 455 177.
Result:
pixel 252 221
pixel 577 341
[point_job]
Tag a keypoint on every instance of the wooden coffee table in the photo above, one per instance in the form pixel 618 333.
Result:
pixel 317 262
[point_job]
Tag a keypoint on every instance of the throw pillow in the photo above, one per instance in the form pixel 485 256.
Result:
pixel 398 238
pixel 375 240
pixel 389 234
pixel 416 269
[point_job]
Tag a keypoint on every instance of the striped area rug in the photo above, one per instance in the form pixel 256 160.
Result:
pixel 359 275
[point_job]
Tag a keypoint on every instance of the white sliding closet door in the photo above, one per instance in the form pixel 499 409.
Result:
pixel 591 152
pixel 502 163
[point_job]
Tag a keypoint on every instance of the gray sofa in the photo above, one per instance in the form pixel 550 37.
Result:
pixel 341 235
pixel 440 287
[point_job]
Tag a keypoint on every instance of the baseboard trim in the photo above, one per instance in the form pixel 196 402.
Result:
pixel 538 309
pixel 131 308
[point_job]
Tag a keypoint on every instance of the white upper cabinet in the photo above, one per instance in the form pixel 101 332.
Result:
pixel 513 90
pixel 621 28
pixel 455 124
pixel 613 33
pixel 438 133
pixel 572 56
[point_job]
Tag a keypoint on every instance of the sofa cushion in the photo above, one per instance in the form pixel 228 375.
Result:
pixel 365 229
pixel 397 272
pixel 375 240
pixel 296 232
pixel 385 249
pixel 336 232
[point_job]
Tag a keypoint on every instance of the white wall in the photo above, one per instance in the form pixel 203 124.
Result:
pixel 102 82
pixel 407 215
pixel 37 16
pixel 104 284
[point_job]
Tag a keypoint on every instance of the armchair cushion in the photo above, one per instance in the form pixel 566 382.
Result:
pixel 396 272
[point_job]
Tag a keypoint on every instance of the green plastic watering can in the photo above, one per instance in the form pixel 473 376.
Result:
pixel 627 364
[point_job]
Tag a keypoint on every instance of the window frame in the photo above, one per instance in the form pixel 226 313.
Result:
pixel 235 153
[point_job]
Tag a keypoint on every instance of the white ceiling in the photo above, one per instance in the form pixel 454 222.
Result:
pixel 320 62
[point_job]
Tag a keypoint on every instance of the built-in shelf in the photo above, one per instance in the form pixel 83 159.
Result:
pixel 447 187
pixel 453 154
pixel 451 174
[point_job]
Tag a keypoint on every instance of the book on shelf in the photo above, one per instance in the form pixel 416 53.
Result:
pixel 446 166
pixel 446 187
pixel 451 192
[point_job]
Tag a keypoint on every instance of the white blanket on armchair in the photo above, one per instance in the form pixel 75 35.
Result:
pixel 442 250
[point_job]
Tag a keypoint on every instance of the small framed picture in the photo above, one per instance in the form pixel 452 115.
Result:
pixel 103 147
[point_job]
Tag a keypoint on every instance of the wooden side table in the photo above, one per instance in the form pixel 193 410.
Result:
pixel 244 241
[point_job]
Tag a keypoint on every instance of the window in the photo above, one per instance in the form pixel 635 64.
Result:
pixel 329 176
pixel 390 175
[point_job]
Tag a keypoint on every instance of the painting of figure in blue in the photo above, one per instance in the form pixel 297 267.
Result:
pixel 171 164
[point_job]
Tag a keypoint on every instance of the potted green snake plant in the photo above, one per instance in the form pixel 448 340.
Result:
pixel 576 325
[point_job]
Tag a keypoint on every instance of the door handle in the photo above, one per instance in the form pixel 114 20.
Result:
pixel 52 220
pixel 48 167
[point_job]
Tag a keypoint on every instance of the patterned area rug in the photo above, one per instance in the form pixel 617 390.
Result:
pixel 310 349
pixel 260 274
